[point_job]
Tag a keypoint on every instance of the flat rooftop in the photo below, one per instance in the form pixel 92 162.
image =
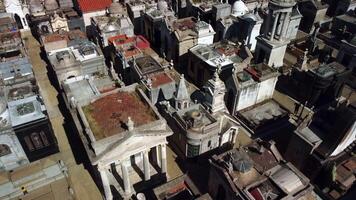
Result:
pixel 85 89
pixel 10 69
pixel 25 110
pixel 196 118
pixel 161 78
pixel 74 35
pixel 261 72
pixel 20 91
pixel 221 53
pixel 257 171
pixel 263 112
pixel 129 45
pixel 328 70
pixel 108 115
pixel 180 188
pixel 147 64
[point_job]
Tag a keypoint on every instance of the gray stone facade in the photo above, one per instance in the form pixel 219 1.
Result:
pixel 83 59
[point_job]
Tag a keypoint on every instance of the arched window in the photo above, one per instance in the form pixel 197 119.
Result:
pixel 4 150
pixel 18 21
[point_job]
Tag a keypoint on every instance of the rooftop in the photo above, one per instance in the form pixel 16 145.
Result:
pixel 68 36
pixel 12 69
pixel 147 65
pixel 205 5
pixel 221 53
pixel 160 78
pixel 258 171
pixel 108 115
pixel 186 28
pixel 26 110
pixel 82 89
pixel 179 188
pixel 93 5
pixel 73 55
pixel 328 70
pixel 131 46
pixel 195 118
pixel 262 113
pixel 112 23
pixel 261 72
pixel 20 91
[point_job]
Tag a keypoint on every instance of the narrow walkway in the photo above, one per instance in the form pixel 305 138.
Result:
pixel 79 178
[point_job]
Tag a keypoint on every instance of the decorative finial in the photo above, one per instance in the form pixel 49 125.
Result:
pixel 130 124
pixel 171 64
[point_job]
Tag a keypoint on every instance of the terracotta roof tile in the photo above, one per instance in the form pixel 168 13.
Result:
pixel 93 5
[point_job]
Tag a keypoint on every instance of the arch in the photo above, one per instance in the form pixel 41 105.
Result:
pixel 71 76
pixel 18 21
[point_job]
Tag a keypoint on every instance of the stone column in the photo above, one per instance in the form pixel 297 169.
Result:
pixel 158 156
pixel 274 26
pixel 163 159
pixel 105 180
pixel 125 176
pixel 146 165
pixel 285 26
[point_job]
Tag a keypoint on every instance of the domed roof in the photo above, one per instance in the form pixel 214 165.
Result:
pixel 115 8
pixel 36 6
pixel 252 17
pixel 51 5
pixel 162 5
pixel 239 8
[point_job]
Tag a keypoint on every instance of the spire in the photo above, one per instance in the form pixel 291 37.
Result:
pixel 214 93
pixel 181 97
pixel 182 91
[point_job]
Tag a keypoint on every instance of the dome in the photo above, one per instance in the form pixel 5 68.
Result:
pixel 115 8
pixel 51 5
pixel 162 5
pixel 250 16
pixel 36 6
pixel 239 8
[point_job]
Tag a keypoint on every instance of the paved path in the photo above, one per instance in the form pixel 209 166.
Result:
pixel 79 178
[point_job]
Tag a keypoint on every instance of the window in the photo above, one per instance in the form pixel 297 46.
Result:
pixel 36 141
pixel 193 150
pixel 209 143
pixel 4 150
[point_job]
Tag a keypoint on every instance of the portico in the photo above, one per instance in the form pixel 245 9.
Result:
pixel 125 172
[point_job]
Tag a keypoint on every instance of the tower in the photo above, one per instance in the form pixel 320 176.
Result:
pixel 272 44
pixel 214 94
pixel 181 97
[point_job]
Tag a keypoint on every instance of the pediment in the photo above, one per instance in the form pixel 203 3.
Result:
pixel 132 144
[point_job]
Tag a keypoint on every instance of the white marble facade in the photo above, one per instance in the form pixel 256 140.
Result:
pixel 11 154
